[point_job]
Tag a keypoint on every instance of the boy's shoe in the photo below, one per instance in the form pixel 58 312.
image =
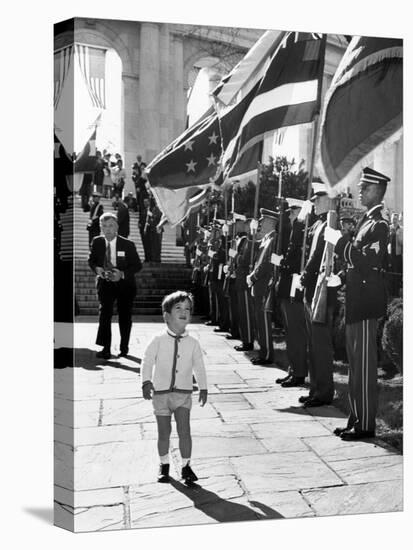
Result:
pixel 188 475
pixel 163 476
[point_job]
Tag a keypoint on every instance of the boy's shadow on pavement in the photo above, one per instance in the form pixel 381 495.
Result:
pixel 222 510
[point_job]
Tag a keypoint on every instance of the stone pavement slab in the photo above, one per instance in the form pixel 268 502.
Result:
pixel 273 472
pixel 356 499
pixel 258 453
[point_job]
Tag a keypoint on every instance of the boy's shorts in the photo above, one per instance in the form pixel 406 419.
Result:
pixel 164 404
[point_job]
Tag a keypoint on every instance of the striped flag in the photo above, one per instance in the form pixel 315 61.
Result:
pixel 92 64
pixel 180 174
pixel 287 94
pixel 362 108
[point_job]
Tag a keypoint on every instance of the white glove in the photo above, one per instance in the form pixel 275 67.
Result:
pixel 276 259
pixel 207 234
pixel 333 281
pixel 253 225
pixel 225 229
pixel 305 210
pixel 249 282
pixel 332 235
pixel 239 216
pixel 226 268
pixel 295 284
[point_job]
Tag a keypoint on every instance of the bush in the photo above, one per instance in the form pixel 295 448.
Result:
pixel 392 338
pixel 339 328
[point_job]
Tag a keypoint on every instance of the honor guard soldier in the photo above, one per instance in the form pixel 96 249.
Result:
pixel 237 229
pixel 245 306
pixel 292 306
pixel 319 334
pixel 258 280
pixel 366 302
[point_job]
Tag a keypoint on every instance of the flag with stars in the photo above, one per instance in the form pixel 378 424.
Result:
pixel 192 159
pixel 180 175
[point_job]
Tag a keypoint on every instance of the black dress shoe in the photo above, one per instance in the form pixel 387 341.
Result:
pixel 122 354
pixel 220 330
pixel 284 379
pixel 304 398
pixel 354 435
pixel 314 402
pixel 293 382
pixel 163 476
pixel 230 337
pixel 210 324
pixel 340 431
pixel 103 354
pixel 259 361
pixel 244 347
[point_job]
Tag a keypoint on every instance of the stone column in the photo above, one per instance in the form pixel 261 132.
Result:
pixel 179 87
pixel 166 116
pixel 149 90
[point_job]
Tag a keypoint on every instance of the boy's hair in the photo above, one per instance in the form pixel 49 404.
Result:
pixel 179 296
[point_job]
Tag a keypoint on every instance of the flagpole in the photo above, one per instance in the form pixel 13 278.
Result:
pixel 316 124
pixel 309 186
pixel 257 193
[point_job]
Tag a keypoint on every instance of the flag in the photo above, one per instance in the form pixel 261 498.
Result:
pixel 86 160
pixel 247 69
pixel 287 94
pixel 180 173
pixel 362 108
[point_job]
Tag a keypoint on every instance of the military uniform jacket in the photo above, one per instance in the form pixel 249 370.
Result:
pixel 215 273
pixel 366 296
pixel 242 263
pixel 263 268
pixel 291 263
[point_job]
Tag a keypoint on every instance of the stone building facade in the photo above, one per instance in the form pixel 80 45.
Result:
pixel 159 63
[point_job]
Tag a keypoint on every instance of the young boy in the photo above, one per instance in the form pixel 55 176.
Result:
pixel 175 356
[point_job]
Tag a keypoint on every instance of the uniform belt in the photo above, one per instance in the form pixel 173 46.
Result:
pixel 372 268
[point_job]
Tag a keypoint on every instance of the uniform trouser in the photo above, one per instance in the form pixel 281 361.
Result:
pixel 296 336
pixel 124 294
pixel 223 307
pixel 321 355
pixel 263 320
pixel 213 302
pixel 233 309
pixel 245 316
pixel 361 345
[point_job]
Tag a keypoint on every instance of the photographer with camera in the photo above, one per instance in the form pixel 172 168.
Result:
pixel 115 261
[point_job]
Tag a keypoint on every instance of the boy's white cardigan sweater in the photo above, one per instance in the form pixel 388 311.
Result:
pixel 169 362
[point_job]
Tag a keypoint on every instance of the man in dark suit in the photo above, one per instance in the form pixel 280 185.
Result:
pixel 115 261
pixel 122 217
pixel 96 210
pixel 366 302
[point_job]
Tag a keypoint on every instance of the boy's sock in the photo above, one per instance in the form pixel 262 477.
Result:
pixel 185 462
pixel 164 459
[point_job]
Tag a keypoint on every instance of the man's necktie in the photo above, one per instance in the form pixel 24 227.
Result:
pixel 108 262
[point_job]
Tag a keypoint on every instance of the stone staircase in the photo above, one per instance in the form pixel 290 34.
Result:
pixel 153 281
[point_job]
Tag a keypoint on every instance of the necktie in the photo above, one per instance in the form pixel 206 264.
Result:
pixel 108 262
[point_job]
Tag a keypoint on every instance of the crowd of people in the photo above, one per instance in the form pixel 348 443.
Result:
pixel 108 181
